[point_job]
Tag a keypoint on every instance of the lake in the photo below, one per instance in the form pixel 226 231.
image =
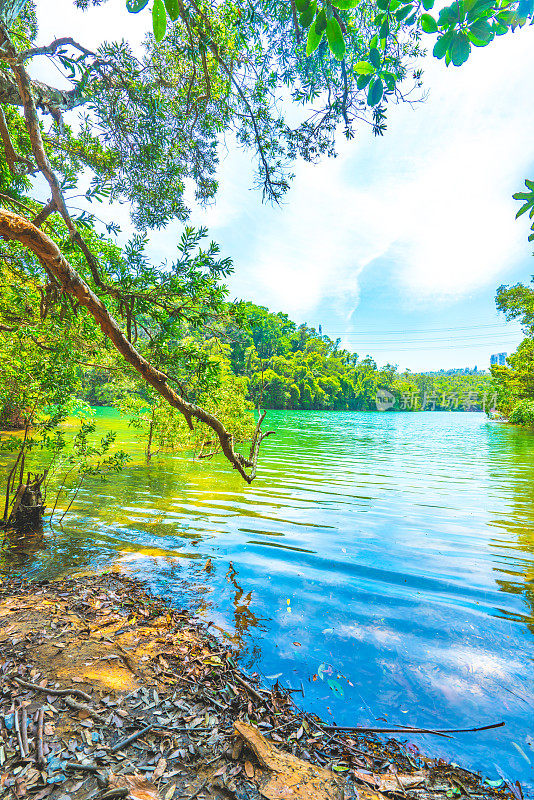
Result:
pixel 381 564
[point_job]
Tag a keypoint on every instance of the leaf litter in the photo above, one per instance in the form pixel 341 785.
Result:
pixel 107 692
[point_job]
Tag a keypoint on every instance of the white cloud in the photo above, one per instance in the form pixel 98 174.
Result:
pixel 433 195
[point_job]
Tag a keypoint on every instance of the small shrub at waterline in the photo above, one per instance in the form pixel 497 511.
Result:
pixel 523 413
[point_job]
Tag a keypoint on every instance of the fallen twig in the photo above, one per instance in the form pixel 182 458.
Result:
pixel 82 707
pixel 39 757
pixel 248 687
pixel 130 739
pixel 48 690
pixel 75 765
pixel 408 729
pixel 113 794
pixel 24 729
pixel 23 752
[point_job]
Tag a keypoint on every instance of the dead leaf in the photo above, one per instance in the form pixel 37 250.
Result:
pixel 292 778
pixel 237 748
pixel 392 782
pixel 249 769
pixel 220 771
pixel 369 794
pixel 139 788
pixel 161 766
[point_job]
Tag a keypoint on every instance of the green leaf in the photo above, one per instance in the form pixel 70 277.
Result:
pixel 302 5
pixel 373 42
pixel 159 20
pixel 402 13
pixel 524 209
pixel 306 18
pixel 429 24
pixel 345 5
pixel 499 30
pixel 384 28
pixel 173 9
pixel 339 768
pixel 478 8
pixel 460 49
pixel 383 4
pixel 376 90
pixel 481 29
pixel 411 19
pixel 390 80
pixel 314 38
pixel 336 687
pixel 135 6
pixel 442 45
pixel 448 16
pixel 428 4
pixel 374 57
pixel 477 42
pixel 365 68
pixel 320 23
pixel 336 42
pixel 362 81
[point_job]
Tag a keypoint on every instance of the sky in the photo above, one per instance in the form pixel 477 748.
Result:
pixel 397 246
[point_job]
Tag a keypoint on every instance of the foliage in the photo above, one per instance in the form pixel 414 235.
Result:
pixel 523 413
pixel 527 199
pixel 515 381
pixel 295 367
pixel 226 398
pixel 44 450
pixel 335 24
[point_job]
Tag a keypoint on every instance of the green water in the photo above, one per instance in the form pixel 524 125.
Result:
pixel 403 542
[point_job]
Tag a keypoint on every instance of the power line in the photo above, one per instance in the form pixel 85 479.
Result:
pixel 447 338
pixel 421 348
pixel 498 326
pixel 446 342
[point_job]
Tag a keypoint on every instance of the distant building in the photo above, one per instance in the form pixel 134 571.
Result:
pixel 498 358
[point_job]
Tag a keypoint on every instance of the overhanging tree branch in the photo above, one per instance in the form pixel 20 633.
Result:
pixel 16 228
pixel 46 96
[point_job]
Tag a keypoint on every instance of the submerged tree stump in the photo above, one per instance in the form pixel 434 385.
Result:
pixel 28 505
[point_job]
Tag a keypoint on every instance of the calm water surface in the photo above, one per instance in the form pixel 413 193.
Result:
pixel 383 564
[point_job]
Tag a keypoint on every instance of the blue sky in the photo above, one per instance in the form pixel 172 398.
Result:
pixel 396 246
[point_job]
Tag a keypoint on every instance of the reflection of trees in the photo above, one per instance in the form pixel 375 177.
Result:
pixel 244 618
pixel 18 549
pixel 517 525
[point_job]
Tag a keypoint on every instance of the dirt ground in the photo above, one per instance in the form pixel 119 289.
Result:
pixel 106 692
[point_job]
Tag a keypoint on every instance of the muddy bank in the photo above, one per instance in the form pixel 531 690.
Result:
pixel 108 693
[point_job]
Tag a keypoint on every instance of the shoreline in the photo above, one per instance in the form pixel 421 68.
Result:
pixel 109 692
